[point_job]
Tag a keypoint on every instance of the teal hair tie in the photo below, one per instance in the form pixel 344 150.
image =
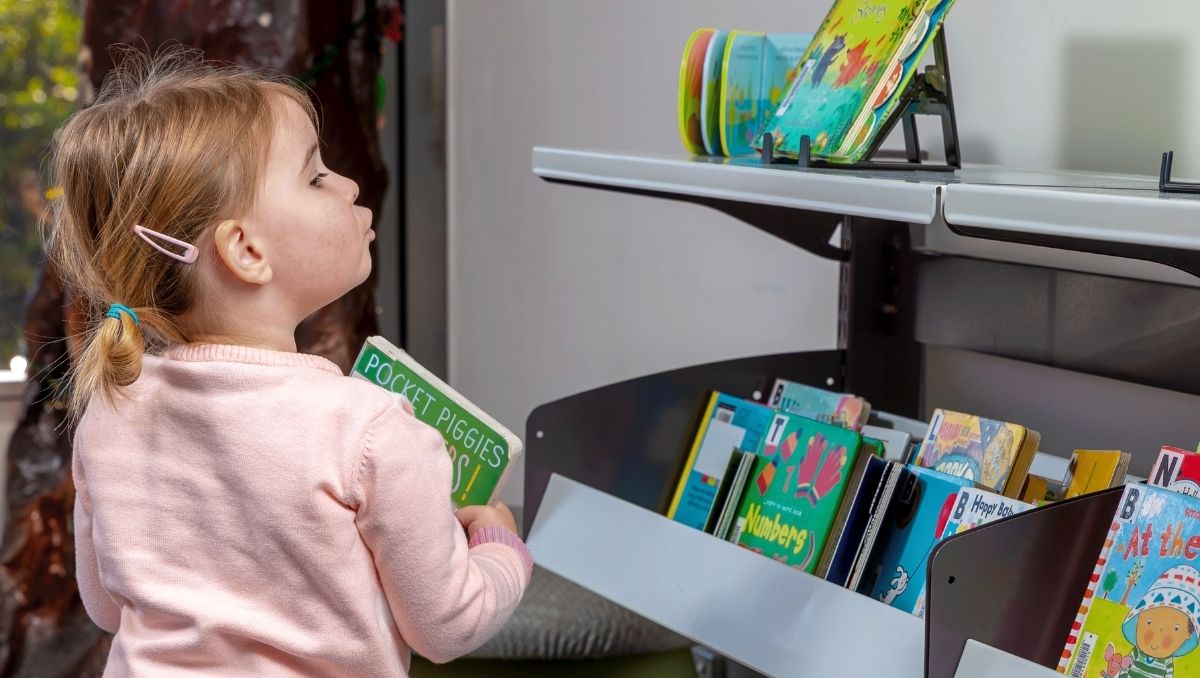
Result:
pixel 116 310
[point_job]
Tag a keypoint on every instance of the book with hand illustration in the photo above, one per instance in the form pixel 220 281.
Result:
pixel 482 451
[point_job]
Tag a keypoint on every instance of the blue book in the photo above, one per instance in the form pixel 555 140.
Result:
pixel 910 531
pixel 728 423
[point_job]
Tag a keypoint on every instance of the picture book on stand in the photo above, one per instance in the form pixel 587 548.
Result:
pixel 993 454
pixel 1140 613
pixel 852 76
pixel 795 497
pixel 727 423
pixel 482 451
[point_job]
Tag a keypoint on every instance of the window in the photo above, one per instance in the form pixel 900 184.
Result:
pixel 39 85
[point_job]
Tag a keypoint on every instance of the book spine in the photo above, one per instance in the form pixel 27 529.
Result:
pixel 1086 605
pixel 691 458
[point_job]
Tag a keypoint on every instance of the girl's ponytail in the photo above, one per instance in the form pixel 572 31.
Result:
pixel 172 146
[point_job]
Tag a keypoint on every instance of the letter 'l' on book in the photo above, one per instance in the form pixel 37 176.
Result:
pixel 482 451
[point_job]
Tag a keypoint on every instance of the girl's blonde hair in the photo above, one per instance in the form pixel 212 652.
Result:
pixel 172 143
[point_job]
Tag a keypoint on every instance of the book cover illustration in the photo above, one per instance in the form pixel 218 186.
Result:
pixel 482 451
pixel 755 71
pixel 990 453
pixel 1176 469
pixel 691 81
pixel 910 531
pixel 862 58
pixel 791 503
pixel 728 423
pixel 1141 611
pixel 1095 470
pixel 710 93
pixel 841 409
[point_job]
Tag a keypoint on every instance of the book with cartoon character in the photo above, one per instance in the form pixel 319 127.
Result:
pixel 852 76
pixel 993 454
pixel 795 494
pixel 1140 614
pixel 691 82
pixel 728 423
pixel 911 529
pixel 842 409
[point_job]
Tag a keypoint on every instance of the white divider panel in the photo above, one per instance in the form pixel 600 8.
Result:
pixel 760 613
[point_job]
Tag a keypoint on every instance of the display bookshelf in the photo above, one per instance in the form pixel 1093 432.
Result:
pixel 601 463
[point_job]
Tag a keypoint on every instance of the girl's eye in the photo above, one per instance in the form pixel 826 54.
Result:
pixel 318 179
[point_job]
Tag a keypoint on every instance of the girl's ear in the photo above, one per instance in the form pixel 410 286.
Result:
pixel 241 253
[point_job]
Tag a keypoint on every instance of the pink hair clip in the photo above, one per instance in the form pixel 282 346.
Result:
pixel 187 256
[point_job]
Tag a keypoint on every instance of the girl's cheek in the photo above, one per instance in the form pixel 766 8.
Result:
pixel 1168 640
pixel 1148 637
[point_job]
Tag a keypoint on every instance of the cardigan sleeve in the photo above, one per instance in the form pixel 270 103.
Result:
pixel 447 598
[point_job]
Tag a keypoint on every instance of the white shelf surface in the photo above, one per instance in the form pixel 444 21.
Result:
pixel 1087 205
pixel 762 614
pixel 1129 211
pixel 909 197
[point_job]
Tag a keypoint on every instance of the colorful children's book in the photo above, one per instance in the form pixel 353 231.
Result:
pixel 852 75
pixel 895 442
pixel 791 504
pixel 1140 614
pixel 1095 470
pixel 1176 469
pixel 691 81
pixel 909 534
pixel 710 94
pixel 993 454
pixel 816 403
pixel 754 75
pixel 482 451
pixel 728 423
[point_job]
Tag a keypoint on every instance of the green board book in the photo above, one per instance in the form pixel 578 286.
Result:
pixel 481 450
pixel 797 486
pixel 852 76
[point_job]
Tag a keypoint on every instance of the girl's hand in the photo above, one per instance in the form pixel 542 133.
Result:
pixel 474 518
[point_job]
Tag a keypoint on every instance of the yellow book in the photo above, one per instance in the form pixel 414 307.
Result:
pixel 1035 490
pixel 1095 470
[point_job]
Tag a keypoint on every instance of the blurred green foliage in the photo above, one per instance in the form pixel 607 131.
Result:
pixel 39 85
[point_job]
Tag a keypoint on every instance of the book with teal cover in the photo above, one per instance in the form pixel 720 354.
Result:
pixel 482 451
pixel 842 409
pixel 852 75
pixel 910 531
pixel 1140 613
pixel 755 71
pixel 728 423
pixel 789 507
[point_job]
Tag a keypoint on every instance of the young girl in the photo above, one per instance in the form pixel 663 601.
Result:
pixel 242 508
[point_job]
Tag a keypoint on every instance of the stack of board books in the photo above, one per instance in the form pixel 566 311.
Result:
pixel 805 479
pixel 838 86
